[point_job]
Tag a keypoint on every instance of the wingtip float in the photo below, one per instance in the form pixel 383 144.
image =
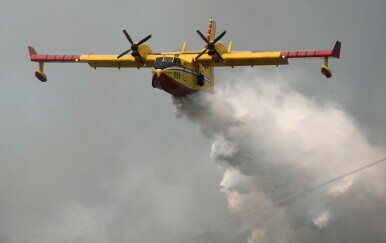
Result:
pixel 180 73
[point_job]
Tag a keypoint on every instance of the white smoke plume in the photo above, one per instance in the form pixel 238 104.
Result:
pixel 273 142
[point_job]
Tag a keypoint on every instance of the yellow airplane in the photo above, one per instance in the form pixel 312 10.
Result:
pixel 180 73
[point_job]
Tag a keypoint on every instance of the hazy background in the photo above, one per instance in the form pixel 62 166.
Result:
pixel 99 156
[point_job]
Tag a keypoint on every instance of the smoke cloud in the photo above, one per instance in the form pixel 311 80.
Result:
pixel 273 142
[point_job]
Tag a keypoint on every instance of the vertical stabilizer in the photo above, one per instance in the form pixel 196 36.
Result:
pixel 210 36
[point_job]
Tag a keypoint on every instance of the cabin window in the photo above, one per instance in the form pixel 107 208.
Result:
pixel 164 62
pixel 168 59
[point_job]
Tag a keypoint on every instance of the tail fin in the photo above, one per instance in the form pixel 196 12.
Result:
pixel 211 34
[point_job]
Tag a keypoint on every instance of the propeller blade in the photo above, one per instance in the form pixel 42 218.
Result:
pixel 202 36
pixel 142 61
pixel 220 36
pixel 124 53
pixel 199 55
pixel 144 40
pixel 218 55
pixel 127 36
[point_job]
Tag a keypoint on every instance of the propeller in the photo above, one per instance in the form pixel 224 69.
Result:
pixel 134 47
pixel 210 47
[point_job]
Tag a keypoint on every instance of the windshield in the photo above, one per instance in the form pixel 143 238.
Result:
pixel 164 62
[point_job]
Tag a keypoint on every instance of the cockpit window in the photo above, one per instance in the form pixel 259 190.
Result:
pixel 164 62
pixel 177 61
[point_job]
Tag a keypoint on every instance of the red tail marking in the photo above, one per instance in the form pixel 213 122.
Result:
pixel 336 50
pixel 31 51
pixel 208 34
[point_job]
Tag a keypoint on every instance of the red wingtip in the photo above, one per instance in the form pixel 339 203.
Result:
pixel 336 49
pixel 31 51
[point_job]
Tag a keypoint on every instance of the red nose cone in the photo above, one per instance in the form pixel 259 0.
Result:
pixel 326 71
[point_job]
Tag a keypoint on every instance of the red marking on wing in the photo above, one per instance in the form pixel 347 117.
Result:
pixel 323 53
pixel 335 52
pixel 292 53
pixel 309 53
pixel 54 58
pixel 51 58
pixel 59 58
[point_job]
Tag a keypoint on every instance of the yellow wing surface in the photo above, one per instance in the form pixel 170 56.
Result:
pixel 237 58
pixel 244 58
pixel 231 58
pixel 111 61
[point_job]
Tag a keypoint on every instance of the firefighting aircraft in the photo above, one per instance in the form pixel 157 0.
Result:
pixel 180 73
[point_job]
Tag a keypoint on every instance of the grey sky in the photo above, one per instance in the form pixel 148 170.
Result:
pixel 100 140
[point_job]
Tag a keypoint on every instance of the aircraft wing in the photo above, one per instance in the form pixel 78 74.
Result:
pixel 252 58
pixel 126 61
pixel 94 61
pixel 244 58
